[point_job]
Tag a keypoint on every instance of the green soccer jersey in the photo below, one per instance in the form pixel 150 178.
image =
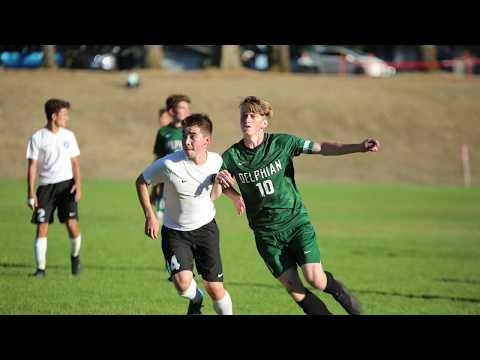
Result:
pixel 169 140
pixel 265 176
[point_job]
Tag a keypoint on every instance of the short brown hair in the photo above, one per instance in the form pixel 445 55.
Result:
pixel 175 99
pixel 53 106
pixel 200 120
pixel 258 106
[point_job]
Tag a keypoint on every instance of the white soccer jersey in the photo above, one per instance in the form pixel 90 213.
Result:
pixel 187 189
pixel 53 152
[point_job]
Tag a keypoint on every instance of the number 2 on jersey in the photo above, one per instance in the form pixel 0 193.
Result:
pixel 265 187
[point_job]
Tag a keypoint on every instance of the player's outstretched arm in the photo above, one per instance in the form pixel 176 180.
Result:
pixel 328 148
pixel 151 222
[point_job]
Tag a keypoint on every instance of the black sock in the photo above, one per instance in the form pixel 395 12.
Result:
pixel 312 305
pixel 333 287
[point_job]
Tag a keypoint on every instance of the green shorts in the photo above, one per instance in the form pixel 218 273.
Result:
pixel 296 246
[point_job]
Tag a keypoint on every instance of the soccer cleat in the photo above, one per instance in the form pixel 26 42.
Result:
pixel 195 308
pixel 39 273
pixel 348 301
pixel 75 265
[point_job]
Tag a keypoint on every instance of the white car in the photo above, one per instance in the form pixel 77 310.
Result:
pixel 338 59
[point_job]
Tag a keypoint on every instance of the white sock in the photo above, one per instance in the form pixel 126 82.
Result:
pixel 75 244
pixel 41 252
pixel 193 292
pixel 223 306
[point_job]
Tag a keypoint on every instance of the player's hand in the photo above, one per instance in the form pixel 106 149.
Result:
pixel 77 190
pixel 370 145
pixel 32 202
pixel 239 205
pixel 225 179
pixel 151 227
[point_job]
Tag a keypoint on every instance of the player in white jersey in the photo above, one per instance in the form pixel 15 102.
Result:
pixel 189 232
pixel 53 154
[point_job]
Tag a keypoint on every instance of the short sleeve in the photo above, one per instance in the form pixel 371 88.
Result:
pixel 218 162
pixel 74 149
pixel 155 173
pixel 296 145
pixel 32 148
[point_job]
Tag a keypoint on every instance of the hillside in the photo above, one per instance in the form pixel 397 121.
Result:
pixel 420 119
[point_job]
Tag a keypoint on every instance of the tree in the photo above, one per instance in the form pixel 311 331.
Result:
pixel 230 59
pixel 49 56
pixel 154 56
pixel 429 55
pixel 280 58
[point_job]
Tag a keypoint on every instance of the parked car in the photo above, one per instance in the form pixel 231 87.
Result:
pixel 103 57
pixel 331 59
pixel 256 57
pixel 189 57
pixel 24 56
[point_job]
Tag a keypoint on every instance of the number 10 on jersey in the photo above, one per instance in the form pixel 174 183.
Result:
pixel 265 187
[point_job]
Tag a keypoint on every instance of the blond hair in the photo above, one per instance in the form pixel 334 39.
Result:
pixel 258 106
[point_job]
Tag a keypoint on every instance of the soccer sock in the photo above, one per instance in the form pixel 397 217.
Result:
pixel 223 306
pixel 75 245
pixel 193 292
pixel 41 252
pixel 312 305
pixel 333 287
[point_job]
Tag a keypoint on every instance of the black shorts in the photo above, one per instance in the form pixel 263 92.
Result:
pixel 54 196
pixel 180 248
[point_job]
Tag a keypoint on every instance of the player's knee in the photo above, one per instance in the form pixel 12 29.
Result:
pixel 182 284
pixel 42 230
pixel 215 290
pixel 317 280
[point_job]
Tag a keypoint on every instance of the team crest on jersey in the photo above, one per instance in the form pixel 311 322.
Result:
pixel 66 144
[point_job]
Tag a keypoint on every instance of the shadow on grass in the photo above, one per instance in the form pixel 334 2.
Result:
pixel 464 281
pixel 86 267
pixel 418 296
pixel 258 285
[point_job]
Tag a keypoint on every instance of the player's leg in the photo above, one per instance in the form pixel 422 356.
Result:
pixel 209 265
pixel 324 280
pixel 68 215
pixel 307 253
pixel 304 298
pixel 222 302
pixel 278 258
pixel 42 216
pixel 75 238
pixel 177 251
pixel 40 249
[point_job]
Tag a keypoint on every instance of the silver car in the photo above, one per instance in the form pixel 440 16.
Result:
pixel 331 59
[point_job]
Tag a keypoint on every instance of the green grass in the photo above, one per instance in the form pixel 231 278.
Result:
pixel 402 249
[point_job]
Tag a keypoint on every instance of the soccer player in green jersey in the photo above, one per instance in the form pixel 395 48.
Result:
pixel 169 140
pixel 261 165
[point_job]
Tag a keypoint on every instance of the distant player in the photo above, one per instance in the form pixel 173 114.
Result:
pixel 261 165
pixel 53 153
pixel 168 140
pixel 189 231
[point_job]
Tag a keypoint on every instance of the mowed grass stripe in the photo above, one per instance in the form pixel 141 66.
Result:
pixel 402 249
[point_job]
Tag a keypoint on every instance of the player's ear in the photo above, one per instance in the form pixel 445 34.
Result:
pixel 265 122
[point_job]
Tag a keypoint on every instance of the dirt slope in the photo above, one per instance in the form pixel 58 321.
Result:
pixel 420 119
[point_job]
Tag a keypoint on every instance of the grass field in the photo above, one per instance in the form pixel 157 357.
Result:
pixel 402 249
